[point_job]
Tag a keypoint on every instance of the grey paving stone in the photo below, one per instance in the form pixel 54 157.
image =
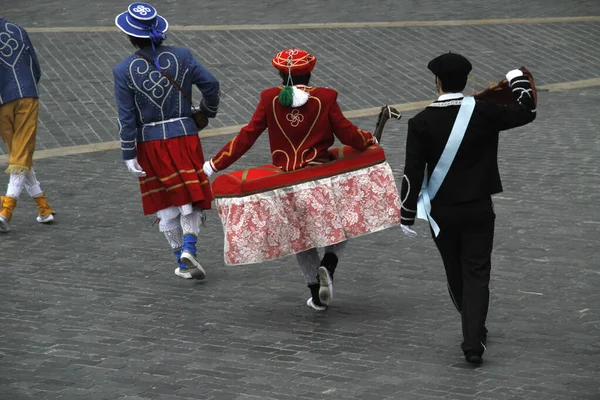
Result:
pixel 90 308
pixel 368 66
pixel 72 13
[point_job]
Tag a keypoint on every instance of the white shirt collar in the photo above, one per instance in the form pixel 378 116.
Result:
pixel 450 96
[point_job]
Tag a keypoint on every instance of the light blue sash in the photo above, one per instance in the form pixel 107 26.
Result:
pixel 431 186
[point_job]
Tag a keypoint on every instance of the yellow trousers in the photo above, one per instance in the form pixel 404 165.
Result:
pixel 18 126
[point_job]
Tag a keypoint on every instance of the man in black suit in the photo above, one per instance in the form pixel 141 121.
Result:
pixel 450 173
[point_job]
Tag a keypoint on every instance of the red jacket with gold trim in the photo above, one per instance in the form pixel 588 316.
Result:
pixel 298 136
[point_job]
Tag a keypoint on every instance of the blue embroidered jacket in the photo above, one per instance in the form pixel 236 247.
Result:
pixel 19 66
pixel 150 107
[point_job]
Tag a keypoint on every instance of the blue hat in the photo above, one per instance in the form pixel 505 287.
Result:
pixel 141 20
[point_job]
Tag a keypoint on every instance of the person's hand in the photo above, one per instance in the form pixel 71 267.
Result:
pixel 134 167
pixel 510 75
pixel 208 169
pixel 407 231
pixel 200 119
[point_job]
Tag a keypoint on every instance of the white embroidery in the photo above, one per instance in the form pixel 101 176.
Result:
pixel 8 48
pixel 295 118
pixel 446 103
pixel 8 45
pixel 406 197
pixel 153 89
pixel 142 10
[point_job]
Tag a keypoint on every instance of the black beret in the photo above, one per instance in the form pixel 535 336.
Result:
pixel 450 65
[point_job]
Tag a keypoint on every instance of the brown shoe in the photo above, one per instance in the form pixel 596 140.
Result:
pixel 8 206
pixel 46 214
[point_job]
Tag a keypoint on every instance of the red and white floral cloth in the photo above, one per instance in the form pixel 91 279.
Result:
pixel 288 220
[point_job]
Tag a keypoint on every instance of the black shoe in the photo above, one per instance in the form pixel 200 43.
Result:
pixel 473 357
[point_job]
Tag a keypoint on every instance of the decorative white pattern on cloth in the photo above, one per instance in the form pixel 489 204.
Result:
pixel 447 103
pixel 174 237
pixel 190 223
pixel 320 213
pixel 16 183
pixel 169 217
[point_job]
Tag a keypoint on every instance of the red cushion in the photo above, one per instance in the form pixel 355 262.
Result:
pixel 269 177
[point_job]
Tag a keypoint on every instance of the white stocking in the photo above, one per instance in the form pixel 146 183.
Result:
pixel 32 185
pixel 190 223
pixel 16 184
pixel 174 237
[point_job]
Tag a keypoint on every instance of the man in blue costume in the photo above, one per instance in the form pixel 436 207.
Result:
pixel 19 77
pixel 159 132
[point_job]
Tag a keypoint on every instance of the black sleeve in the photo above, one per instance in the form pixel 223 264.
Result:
pixel 414 168
pixel 514 115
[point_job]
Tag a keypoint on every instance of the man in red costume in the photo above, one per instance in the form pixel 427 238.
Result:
pixel 303 122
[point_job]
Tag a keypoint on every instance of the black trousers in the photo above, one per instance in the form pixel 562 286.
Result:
pixel 465 243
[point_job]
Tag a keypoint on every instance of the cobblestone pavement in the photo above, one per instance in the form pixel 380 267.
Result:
pixel 369 66
pixel 90 308
pixel 187 12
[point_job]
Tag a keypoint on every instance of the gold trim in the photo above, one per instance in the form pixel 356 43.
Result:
pixel 287 137
pixel 226 152
pixel 169 188
pixel 175 186
pixel 152 191
pixel 181 184
pixel 287 164
pixel 184 171
pixel 310 159
pixel 17 169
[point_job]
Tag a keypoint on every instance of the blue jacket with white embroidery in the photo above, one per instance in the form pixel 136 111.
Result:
pixel 19 66
pixel 152 108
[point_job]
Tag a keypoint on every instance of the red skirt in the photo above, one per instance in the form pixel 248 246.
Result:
pixel 174 174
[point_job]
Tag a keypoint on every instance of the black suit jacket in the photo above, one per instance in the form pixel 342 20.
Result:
pixel 474 172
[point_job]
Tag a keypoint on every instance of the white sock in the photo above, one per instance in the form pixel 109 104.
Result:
pixel 15 185
pixel 32 185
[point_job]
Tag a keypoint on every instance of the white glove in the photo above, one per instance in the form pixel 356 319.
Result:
pixel 407 231
pixel 134 167
pixel 510 75
pixel 208 169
